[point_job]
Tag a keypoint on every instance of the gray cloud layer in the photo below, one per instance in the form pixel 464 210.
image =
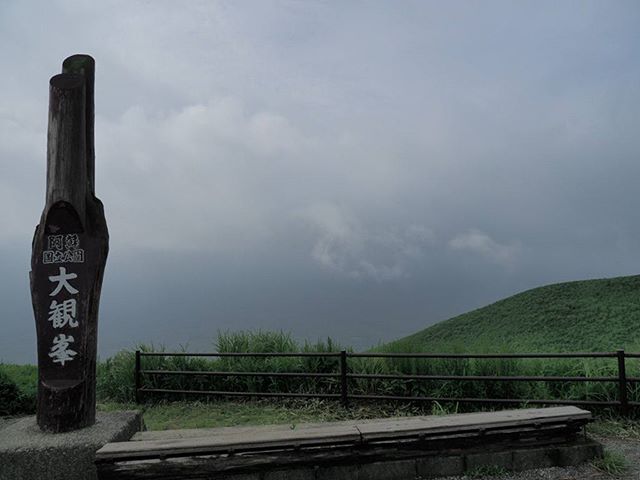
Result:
pixel 330 168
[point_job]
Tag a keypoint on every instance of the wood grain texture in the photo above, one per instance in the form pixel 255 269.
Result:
pixel 86 66
pixel 66 143
pixel 72 214
pixel 251 451
pixel 247 439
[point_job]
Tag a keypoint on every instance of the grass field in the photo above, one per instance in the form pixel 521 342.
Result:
pixel 591 315
pixel 588 315
pixel 224 413
pixel 116 382
pixel 176 415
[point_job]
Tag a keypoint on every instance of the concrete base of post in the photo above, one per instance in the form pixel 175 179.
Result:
pixel 28 453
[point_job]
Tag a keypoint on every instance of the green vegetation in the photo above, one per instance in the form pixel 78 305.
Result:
pixel 226 413
pixel 24 376
pixel 487 471
pixel 116 374
pixel 116 379
pixel 12 400
pixel 611 426
pixel 588 315
pixel 613 462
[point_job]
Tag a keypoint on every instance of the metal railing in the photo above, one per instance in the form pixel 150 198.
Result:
pixel 344 375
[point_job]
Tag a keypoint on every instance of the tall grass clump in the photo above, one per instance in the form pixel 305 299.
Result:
pixel 116 374
pixel 275 342
pixel 490 367
pixel 116 381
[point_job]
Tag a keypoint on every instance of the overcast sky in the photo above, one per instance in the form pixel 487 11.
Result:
pixel 358 170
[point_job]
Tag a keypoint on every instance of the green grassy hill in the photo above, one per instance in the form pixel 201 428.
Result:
pixel 589 315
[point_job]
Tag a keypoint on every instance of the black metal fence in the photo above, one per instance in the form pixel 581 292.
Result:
pixel 344 375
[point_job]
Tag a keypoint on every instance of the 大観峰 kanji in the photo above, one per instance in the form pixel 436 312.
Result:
pixel 61 314
pixel 63 281
pixel 60 351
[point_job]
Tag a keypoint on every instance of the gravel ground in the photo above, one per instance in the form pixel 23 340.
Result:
pixel 630 449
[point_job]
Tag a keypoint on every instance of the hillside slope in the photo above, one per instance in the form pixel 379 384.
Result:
pixel 589 315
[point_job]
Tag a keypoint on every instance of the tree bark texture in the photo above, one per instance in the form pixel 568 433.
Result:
pixel 69 253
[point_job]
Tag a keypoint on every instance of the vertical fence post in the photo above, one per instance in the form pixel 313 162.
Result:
pixel 344 394
pixel 137 376
pixel 622 383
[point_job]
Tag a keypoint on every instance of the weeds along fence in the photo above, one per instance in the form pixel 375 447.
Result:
pixel 593 379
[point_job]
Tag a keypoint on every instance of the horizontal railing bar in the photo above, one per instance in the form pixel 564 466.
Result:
pixel 241 394
pixel 374 376
pixel 486 400
pixel 391 355
pixel 621 379
pixel 241 354
pixel 241 374
pixel 487 355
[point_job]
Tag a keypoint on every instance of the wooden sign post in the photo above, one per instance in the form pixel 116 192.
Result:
pixel 69 253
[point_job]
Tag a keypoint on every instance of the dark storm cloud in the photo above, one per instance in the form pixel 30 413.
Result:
pixel 329 168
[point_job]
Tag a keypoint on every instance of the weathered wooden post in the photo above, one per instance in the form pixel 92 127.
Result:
pixel 69 253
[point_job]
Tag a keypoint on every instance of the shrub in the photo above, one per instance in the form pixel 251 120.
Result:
pixel 12 400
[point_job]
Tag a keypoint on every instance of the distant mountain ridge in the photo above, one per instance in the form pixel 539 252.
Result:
pixel 587 315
